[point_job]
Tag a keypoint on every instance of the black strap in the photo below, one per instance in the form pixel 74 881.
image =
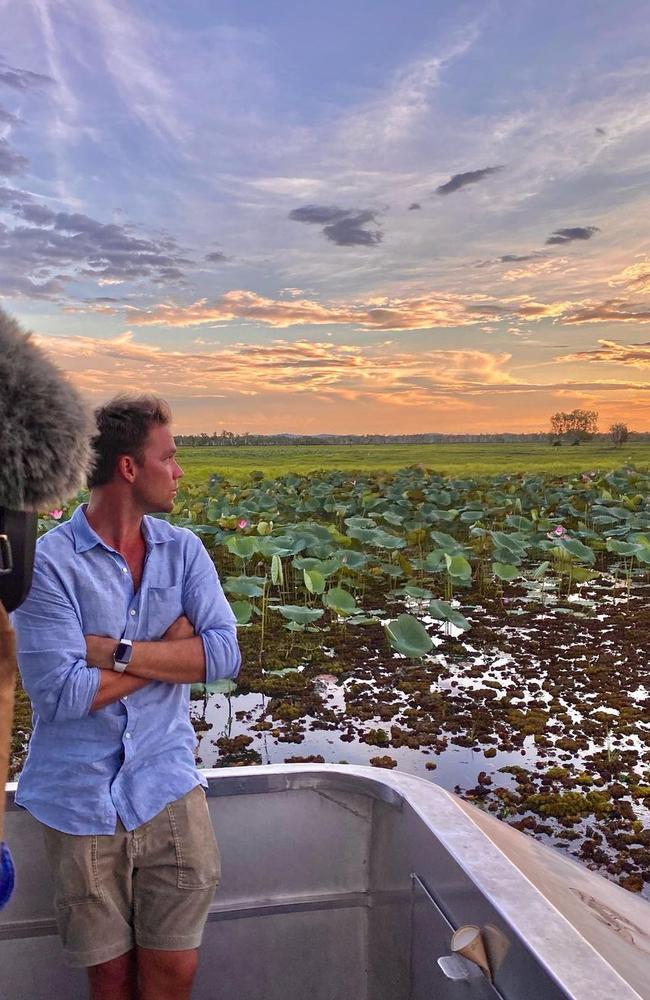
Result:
pixel 17 544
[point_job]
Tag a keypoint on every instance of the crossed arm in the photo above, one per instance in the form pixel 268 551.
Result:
pixel 68 674
pixel 177 658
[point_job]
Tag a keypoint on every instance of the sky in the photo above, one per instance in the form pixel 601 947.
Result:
pixel 333 217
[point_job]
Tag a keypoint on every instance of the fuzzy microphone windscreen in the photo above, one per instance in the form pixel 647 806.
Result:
pixel 44 426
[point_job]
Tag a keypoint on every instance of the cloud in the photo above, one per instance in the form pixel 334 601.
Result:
pixel 44 250
pixel 345 227
pixel 319 215
pixel 612 311
pixel 302 367
pixel 459 181
pixel 40 215
pixel 611 352
pixel 6 117
pixel 537 267
pixel 414 206
pixel 426 312
pixel 514 258
pixel 350 232
pixel 561 236
pixel 21 79
pixel 294 381
pixel 636 277
pixel 11 162
pixel 216 257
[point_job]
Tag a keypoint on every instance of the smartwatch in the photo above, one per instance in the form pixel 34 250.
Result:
pixel 122 655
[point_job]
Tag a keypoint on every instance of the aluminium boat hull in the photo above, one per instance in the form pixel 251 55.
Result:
pixel 347 883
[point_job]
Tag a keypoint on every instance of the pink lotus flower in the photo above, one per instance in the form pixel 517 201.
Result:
pixel 243 523
pixel 557 533
pixel 56 514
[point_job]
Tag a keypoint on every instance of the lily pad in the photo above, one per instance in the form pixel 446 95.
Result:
pixel 409 637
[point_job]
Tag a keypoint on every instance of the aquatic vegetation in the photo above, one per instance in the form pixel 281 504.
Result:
pixel 497 624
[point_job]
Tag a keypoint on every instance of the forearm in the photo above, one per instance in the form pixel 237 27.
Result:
pixel 176 661
pixel 113 686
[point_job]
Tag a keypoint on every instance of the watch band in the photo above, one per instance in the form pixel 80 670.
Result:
pixel 122 655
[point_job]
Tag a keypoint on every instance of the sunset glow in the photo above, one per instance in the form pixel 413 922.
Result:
pixel 333 217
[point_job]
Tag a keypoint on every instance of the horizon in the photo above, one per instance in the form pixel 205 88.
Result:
pixel 333 215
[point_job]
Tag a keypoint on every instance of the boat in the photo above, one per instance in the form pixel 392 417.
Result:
pixel 354 883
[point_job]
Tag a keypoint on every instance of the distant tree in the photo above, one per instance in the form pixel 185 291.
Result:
pixel 620 433
pixel 574 427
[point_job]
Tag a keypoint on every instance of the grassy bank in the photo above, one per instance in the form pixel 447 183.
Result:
pixel 448 459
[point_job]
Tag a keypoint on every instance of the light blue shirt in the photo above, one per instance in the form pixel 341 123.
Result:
pixel 134 756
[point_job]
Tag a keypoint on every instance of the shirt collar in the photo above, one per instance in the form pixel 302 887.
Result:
pixel 154 529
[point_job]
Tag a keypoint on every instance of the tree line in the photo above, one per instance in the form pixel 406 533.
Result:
pixel 563 431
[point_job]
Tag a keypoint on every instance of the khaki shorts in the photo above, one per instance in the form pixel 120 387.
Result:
pixel 151 886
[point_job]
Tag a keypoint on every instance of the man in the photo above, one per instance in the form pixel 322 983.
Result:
pixel 125 612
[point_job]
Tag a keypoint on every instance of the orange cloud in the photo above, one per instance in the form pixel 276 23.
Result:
pixel 636 277
pixel 312 386
pixel 612 311
pixel 440 310
pixel 279 366
pixel 538 268
pixel 635 355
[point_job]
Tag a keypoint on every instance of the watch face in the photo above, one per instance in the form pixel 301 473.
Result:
pixel 123 652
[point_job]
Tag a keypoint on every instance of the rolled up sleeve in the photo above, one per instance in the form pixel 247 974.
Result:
pixel 207 608
pixel 51 652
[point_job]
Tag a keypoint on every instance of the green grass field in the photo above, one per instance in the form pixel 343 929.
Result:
pixel 447 459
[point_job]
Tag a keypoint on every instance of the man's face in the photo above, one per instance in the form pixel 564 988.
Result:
pixel 157 476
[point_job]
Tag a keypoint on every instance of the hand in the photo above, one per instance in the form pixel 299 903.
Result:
pixel 99 651
pixel 182 628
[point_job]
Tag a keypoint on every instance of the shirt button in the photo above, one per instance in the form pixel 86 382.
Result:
pixel 132 611
pixel 124 569
pixel 127 736
pixel 125 697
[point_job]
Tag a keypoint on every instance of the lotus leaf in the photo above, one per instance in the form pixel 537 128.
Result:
pixel 417 593
pixel 243 611
pixel 519 523
pixel 326 567
pixel 435 561
pixel 446 542
pixel 297 614
pixel 458 567
pixel 581 552
pixel 351 559
pixel 245 586
pixel 409 637
pixel 505 571
pixel 223 686
pixel 580 574
pixel 445 516
pixel 340 601
pixel 277 573
pixel 445 613
pixel 390 569
pixel 314 581
pixel 281 673
pixel 622 548
pixel 242 546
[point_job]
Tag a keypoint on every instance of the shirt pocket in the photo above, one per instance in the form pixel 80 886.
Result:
pixel 164 606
